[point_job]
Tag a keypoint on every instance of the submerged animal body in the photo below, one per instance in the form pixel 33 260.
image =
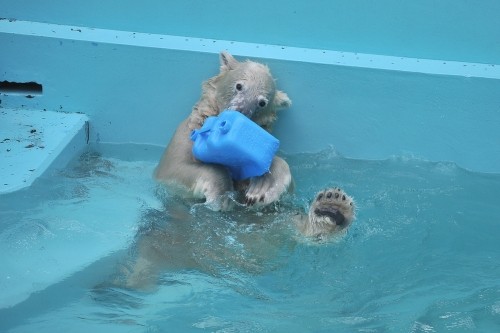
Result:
pixel 187 237
pixel 247 87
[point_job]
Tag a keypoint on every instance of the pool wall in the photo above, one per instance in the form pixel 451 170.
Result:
pixel 371 80
pixel 459 30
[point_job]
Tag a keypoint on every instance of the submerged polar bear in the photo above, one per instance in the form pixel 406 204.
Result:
pixel 249 88
pixel 179 237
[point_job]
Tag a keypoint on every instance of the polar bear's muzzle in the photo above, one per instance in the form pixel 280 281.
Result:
pixel 248 108
pixel 245 109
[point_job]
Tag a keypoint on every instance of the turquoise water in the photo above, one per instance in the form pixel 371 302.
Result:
pixel 422 256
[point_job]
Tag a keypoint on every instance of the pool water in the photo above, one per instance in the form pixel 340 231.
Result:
pixel 422 256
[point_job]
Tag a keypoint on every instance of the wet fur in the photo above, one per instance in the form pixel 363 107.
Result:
pixel 331 212
pixel 180 237
pixel 259 100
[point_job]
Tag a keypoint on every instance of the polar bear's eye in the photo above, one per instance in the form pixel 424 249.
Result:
pixel 262 101
pixel 239 86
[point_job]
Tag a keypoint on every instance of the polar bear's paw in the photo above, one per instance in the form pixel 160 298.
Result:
pixel 269 187
pixel 212 183
pixel 331 213
pixel 332 206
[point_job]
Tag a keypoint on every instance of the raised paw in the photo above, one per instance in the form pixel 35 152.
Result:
pixel 332 206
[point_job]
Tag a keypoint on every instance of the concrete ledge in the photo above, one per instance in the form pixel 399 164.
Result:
pixel 31 140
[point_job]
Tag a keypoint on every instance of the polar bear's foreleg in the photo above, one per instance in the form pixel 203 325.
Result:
pixel 179 169
pixel 211 182
pixel 269 187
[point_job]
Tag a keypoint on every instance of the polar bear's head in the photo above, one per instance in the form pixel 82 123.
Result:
pixel 247 87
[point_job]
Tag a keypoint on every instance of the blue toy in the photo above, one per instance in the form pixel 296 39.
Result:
pixel 235 141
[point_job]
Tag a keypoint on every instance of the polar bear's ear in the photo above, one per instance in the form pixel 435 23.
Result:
pixel 281 100
pixel 227 61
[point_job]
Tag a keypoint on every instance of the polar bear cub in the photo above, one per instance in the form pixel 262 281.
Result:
pixel 249 88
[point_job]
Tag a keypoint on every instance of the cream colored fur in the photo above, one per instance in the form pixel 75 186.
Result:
pixel 251 240
pixel 331 212
pixel 249 88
